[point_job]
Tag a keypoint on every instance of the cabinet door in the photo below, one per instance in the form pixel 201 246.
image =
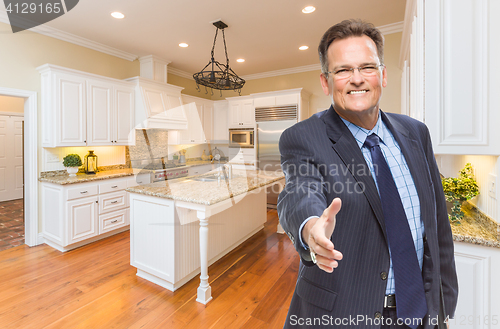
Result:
pixel 70 110
pixel 82 219
pixel 123 115
pixel 234 115
pixel 221 127
pixel 247 113
pixel 208 122
pixel 99 113
pixel 194 133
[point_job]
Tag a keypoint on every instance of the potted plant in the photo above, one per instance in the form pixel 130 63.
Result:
pixel 72 162
pixel 458 190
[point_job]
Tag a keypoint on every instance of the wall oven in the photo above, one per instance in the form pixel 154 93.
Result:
pixel 241 137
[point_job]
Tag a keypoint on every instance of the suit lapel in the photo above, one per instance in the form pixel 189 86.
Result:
pixel 346 147
pixel 415 159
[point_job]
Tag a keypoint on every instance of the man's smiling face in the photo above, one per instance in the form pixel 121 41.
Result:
pixel 357 96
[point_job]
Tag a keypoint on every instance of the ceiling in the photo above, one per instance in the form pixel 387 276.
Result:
pixel 266 33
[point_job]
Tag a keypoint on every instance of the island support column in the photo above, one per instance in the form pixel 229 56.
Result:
pixel 204 290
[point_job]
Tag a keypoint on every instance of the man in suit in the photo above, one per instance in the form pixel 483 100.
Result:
pixel 340 211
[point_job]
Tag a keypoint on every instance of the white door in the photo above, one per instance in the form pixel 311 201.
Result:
pixel 11 157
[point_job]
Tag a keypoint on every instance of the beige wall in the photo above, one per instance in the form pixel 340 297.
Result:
pixel 391 100
pixel 11 104
pixel 189 86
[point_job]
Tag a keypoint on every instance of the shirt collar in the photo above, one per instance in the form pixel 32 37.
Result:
pixel 360 133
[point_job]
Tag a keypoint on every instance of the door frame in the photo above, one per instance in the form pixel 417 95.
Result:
pixel 30 162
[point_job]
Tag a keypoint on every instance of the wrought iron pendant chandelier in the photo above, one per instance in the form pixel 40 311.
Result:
pixel 216 75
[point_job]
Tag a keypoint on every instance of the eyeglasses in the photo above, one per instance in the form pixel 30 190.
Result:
pixel 367 70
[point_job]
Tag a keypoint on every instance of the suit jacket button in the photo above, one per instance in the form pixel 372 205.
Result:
pixel 383 275
pixel 378 315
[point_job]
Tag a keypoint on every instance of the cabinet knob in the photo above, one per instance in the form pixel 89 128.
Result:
pixel 114 201
pixel 114 186
pixel 114 221
pixel 83 192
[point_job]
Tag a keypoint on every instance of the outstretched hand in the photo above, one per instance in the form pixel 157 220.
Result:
pixel 317 233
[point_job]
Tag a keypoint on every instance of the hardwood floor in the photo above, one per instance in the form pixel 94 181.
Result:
pixel 95 287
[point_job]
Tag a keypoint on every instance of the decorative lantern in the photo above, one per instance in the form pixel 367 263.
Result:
pixel 91 163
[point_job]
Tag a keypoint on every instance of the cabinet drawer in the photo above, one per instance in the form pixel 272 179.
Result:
pixel 82 191
pixel 112 186
pixel 112 201
pixel 113 220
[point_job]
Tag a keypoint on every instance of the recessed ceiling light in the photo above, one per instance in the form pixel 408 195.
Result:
pixel 240 60
pixel 117 15
pixel 183 45
pixel 303 47
pixel 308 9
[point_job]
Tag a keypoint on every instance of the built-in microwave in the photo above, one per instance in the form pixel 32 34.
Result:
pixel 241 137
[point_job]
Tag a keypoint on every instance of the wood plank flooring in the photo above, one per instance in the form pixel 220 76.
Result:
pixel 95 287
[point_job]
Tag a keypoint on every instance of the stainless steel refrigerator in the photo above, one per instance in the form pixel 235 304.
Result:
pixel 268 154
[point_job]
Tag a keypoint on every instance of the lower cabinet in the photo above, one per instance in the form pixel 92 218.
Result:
pixel 77 214
pixel 242 155
pixel 200 170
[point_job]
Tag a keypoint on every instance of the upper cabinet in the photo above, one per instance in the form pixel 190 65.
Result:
pixel 241 112
pixel 81 109
pixel 220 120
pixel 448 55
pixel 199 113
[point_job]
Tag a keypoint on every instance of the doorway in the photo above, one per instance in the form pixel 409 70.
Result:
pixel 11 172
pixel 29 168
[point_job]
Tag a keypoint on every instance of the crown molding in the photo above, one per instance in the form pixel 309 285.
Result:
pixel 180 73
pixel 68 37
pixel 391 28
pixel 269 74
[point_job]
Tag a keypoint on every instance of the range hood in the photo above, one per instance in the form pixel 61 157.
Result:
pixel 157 103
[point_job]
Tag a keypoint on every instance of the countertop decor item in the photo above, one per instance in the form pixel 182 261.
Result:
pixel 182 158
pixel 458 190
pixel 72 162
pixel 91 163
pixel 204 156
pixel 216 75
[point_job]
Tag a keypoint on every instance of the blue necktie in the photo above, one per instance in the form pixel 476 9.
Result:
pixel 410 294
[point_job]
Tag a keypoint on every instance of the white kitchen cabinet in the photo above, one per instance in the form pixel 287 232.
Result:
pixel 221 127
pixel 82 109
pixel 99 112
pixel 64 113
pixel 457 101
pixel 208 122
pixel 77 214
pixel 478 299
pixel 242 155
pixel 82 219
pixel 241 112
pixel 199 170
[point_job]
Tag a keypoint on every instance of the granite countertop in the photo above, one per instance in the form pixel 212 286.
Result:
pixel 476 228
pixel 208 192
pixel 61 177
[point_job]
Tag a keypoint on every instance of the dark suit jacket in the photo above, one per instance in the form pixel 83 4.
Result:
pixel 321 161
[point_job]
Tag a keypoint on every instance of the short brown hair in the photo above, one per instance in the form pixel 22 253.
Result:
pixel 346 29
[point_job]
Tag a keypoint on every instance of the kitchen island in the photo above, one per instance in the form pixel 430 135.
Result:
pixel 179 227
